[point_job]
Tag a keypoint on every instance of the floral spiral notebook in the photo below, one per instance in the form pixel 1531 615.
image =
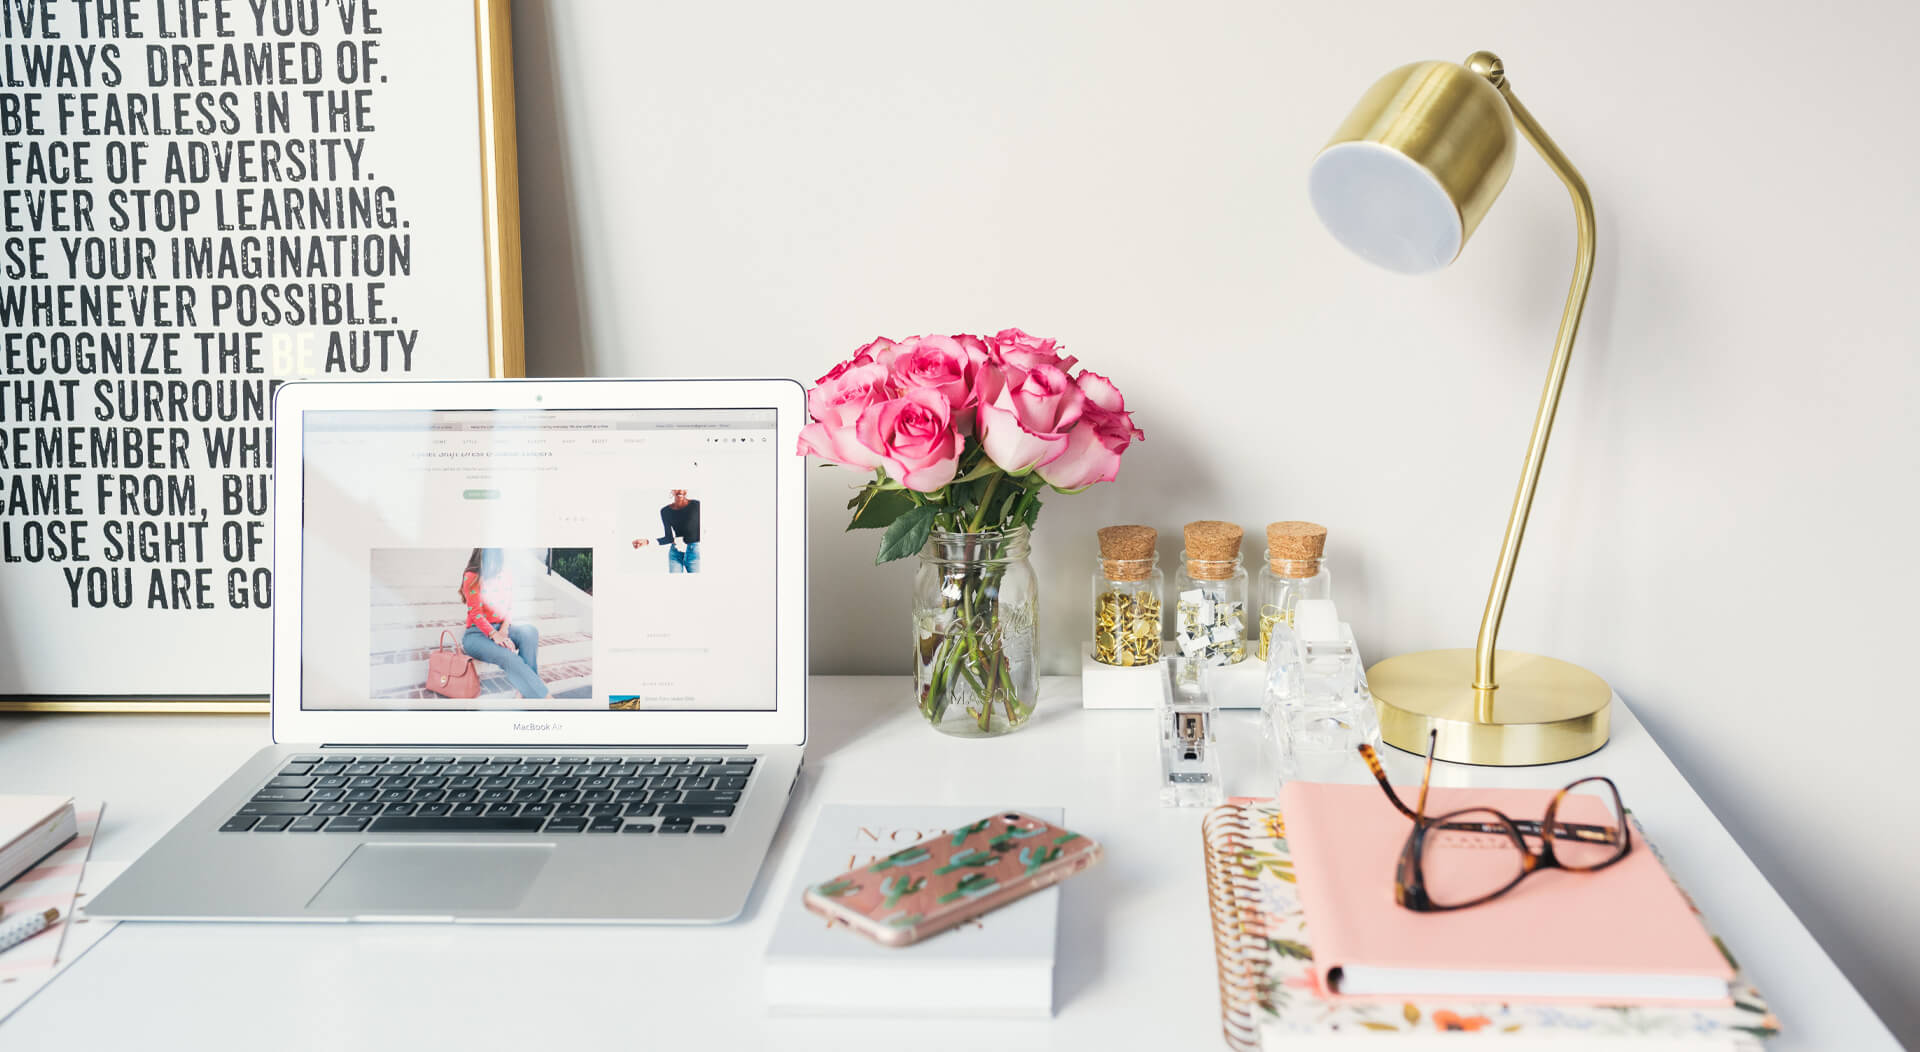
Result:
pixel 1269 991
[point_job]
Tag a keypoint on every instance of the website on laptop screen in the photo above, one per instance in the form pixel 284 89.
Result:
pixel 582 559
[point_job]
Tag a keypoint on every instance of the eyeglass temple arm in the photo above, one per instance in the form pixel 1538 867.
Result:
pixel 1426 776
pixel 1561 830
pixel 1380 775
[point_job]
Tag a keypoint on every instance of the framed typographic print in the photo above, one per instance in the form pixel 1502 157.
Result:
pixel 203 199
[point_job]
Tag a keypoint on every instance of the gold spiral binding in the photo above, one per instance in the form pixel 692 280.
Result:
pixel 1239 936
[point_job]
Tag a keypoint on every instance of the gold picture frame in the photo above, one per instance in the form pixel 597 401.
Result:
pixel 506 342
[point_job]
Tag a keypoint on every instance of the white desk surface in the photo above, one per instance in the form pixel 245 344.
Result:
pixel 1135 966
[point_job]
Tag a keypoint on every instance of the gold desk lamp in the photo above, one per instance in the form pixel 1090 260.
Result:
pixel 1403 183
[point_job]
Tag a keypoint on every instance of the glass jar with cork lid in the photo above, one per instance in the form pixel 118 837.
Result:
pixel 1126 597
pixel 1210 616
pixel 1295 570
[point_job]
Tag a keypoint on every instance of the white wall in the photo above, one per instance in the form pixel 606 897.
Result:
pixel 755 188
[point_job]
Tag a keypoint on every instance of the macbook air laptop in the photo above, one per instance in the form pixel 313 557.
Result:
pixel 539 654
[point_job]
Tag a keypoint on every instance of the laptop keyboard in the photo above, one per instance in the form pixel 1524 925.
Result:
pixel 398 793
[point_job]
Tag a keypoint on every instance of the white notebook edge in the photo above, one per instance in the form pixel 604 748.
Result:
pixel 803 985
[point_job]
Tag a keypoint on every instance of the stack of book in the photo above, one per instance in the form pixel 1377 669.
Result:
pixel 31 828
pixel 1314 951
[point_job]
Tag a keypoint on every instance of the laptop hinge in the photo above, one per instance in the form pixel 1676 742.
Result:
pixel 523 746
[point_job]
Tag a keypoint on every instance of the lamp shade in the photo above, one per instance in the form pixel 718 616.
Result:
pixel 1407 177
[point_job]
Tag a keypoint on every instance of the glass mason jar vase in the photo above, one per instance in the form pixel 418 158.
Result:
pixel 976 612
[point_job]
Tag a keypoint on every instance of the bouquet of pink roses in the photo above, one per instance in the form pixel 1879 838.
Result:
pixel 962 433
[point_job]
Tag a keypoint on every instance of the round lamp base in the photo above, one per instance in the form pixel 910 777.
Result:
pixel 1544 711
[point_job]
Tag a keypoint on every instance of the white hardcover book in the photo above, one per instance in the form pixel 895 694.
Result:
pixel 820 967
pixel 31 827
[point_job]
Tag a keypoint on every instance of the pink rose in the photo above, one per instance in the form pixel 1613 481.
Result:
pixel 1092 454
pixel 1093 449
pixel 1013 355
pixel 974 345
pixel 1104 399
pixel 914 438
pixel 836 404
pixel 1028 351
pixel 1023 352
pixel 1026 425
pixel 872 352
pixel 942 364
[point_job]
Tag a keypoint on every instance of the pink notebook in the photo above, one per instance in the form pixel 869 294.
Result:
pixel 1623 935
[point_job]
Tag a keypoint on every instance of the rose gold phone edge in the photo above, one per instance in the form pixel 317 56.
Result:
pixel 1044 877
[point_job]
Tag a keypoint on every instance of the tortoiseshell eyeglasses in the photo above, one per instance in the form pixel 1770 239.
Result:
pixel 1467 857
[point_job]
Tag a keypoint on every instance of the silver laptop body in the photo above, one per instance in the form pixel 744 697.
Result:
pixel 643 541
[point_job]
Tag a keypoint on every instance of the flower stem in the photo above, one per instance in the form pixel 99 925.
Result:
pixel 1012 720
pixel 986 501
pixel 930 705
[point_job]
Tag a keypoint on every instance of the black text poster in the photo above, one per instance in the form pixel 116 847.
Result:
pixel 201 199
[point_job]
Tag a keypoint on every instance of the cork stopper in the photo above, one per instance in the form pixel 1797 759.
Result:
pixel 1212 547
pixel 1126 552
pixel 1294 548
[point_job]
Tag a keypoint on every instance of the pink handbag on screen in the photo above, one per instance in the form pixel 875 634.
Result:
pixel 450 673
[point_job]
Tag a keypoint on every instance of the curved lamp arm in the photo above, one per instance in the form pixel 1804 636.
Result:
pixel 1484 682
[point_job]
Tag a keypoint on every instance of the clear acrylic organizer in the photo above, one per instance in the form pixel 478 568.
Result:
pixel 1317 710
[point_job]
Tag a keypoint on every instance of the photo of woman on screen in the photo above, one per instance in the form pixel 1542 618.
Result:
pixel 492 636
pixel 679 533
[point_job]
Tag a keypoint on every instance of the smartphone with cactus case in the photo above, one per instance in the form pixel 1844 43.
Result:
pixel 951 878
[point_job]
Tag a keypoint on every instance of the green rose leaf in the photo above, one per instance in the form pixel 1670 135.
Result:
pixel 907 534
pixel 979 471
pixel 875 508
pixel 1032 514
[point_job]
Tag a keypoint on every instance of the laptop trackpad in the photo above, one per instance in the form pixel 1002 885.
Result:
pixel 432 878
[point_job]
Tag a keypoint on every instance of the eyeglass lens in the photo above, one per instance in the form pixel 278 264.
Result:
pixel 1464 865
pixel 1591 825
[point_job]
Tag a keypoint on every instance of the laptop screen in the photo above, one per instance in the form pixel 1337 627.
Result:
pixel 577 559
